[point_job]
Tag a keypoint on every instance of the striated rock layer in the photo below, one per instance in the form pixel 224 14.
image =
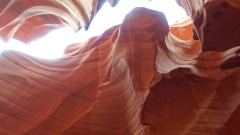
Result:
pixel 138 78
pixel 28 20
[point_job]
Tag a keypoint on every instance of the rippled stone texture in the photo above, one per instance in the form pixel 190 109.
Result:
pixel 28 20
pixel 142 77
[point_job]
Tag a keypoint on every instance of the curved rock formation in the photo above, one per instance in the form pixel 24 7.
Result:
pixel 27 21
pixel 142 77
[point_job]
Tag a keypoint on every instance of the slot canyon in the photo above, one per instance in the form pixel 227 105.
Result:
pixel 140 77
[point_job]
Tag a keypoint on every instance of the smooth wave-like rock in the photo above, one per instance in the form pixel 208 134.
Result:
pixel 28 20
pixel 97 89
pixel 141 77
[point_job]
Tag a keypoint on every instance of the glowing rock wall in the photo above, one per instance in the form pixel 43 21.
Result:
pixel 28 20
pixel 137 78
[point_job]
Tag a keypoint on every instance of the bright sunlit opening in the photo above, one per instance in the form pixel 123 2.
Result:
pixel 53 44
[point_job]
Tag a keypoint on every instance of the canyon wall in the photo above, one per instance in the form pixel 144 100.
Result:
pixel 142 77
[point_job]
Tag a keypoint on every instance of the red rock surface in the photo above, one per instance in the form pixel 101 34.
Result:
pixel 28 20
pixel 141 77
